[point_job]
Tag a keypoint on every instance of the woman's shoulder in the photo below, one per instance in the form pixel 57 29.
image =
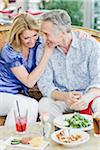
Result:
pixel 8 52
pixel 8 48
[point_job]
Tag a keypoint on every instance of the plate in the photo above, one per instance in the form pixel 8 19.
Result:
pixel 28 146
pixel 84 137
pixel 60 121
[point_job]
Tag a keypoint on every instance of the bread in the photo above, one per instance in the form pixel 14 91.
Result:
pixel 36 141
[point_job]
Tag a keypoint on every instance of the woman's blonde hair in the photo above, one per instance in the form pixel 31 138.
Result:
pixel 6 3
pixel 23 21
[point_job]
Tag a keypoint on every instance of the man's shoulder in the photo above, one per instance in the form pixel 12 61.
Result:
pixel 85 44
pixel 85 38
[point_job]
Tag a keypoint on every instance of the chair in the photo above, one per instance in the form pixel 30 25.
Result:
pixel 93 33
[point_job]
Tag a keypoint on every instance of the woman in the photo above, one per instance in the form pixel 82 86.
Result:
pixel 18 70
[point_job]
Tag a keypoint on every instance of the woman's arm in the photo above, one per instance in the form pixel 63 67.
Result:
pixel 27 79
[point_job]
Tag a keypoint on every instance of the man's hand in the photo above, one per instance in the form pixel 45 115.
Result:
pixel 81 104
pixel 85 99
pixel 72 97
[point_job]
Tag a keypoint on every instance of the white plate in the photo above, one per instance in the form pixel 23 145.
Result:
pixel 28 146
pixel 85 137
pixel 60 121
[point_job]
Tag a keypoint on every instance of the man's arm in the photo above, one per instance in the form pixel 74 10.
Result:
pixel 68 97
pixel 93 90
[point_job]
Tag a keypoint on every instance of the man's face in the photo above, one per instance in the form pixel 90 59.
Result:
pixel 50 33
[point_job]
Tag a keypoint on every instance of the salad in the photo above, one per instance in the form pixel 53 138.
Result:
pixel 77 121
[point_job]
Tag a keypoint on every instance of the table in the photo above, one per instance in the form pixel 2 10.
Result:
pixel 92 144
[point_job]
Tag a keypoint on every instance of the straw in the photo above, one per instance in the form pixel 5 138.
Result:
pixel 19 115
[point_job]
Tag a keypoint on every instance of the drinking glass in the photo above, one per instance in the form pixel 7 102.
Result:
pixel 21 121
pixel 96 123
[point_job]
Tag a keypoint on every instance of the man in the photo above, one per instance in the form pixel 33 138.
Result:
pixel 72 78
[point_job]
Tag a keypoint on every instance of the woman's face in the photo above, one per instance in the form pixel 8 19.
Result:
pixel 28 38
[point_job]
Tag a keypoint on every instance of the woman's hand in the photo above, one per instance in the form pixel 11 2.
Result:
pixel 49 47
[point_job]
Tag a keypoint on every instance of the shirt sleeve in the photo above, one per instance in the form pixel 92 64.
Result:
pixel 45 83
pixel 11 57
pixel 94 66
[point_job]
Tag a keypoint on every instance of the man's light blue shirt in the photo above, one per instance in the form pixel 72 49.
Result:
pixel 78 70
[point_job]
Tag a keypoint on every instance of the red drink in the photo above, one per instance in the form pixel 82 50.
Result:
pixel 21 124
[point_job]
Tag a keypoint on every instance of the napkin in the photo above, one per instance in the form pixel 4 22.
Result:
pixel 2 145
pixel 88 110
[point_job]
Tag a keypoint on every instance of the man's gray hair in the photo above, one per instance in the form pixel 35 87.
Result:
pixel 59 18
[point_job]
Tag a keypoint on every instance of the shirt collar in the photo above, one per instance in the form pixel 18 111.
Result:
pixel 75 40
pixel 39 41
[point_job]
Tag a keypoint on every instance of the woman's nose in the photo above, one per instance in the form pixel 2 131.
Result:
pixel 32 39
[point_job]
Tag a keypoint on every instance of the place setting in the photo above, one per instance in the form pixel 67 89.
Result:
pixel 70 137
pixel 23 136
pixel 83 122
pixel 29 143
pixel 72 129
